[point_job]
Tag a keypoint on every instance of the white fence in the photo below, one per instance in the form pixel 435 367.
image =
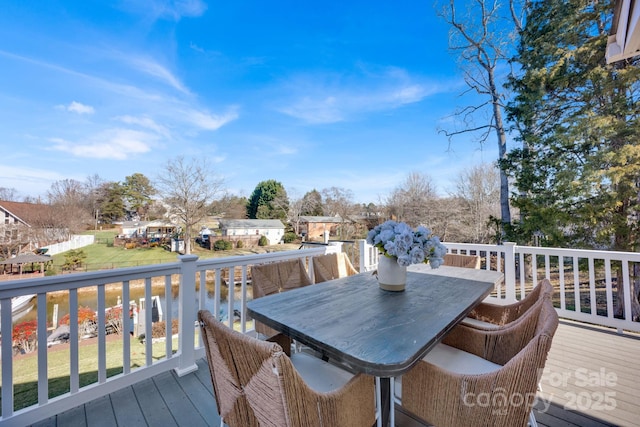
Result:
pixel 76 241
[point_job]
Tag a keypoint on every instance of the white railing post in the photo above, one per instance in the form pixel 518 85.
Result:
pixel 510 271
pixel 187 315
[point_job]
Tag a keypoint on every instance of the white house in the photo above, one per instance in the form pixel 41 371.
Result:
pixel 149 229
pixel 272 229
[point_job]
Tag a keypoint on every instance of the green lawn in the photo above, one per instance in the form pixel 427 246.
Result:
pixel 103 255
pixel 25 368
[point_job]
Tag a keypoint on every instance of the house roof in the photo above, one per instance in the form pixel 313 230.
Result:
pixel 31 214
pixel 335 219
pixel 251 223
pixel 26 259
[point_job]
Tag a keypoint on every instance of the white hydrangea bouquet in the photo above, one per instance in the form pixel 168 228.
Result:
pixel 397 239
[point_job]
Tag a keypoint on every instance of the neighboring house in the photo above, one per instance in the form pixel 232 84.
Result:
pixel 147 229
pixel 314 227
pixel 272 229
pixel 26 227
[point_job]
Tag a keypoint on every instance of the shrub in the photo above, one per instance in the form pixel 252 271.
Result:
pixel 130 245
pixel 73 259
pixel 222 245
pixel 25 337
pixel 86 321
pixel 239 244
pixel 158 328
pixel 113 319
pixel 85 314
pixel 263 241
pixel 289 237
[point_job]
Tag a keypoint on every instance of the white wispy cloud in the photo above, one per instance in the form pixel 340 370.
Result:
pixel 208 121
pixel 332 98
pixel 79 108
pixel 166 9
pixel 154 69
pixel 145 122
pixel 114 144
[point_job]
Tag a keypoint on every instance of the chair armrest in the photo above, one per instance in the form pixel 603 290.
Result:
pixel 496 314
pixel 496 345
pixel 283 341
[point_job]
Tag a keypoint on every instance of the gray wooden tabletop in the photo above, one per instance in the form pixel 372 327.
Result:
pixel 381 333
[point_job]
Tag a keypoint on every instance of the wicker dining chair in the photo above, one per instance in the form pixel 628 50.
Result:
pixel 459 260
pixel 256 384
pixel 491 316
pixel 267 279
pixel 483 378
pixel 332 266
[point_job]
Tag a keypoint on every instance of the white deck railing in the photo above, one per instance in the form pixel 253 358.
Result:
pixel 593 300
pixel 587 281
pixel 191 274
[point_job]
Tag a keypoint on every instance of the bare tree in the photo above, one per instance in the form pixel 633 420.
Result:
pixel 339 202
pixel 68 198
pixel 412 201
pixel 477 191
pixel 296 208
pixel 188 188
pixel 8 194
pixel 482 38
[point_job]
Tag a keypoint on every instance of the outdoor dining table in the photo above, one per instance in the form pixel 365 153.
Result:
pixel 352 321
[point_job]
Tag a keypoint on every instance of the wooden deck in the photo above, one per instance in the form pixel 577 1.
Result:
pixel 591 380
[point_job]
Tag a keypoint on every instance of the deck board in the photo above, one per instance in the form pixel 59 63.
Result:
pixel 126 409
pixel 153 407
pixel 169 400
pixel 99 412
pixel 593 371
pixel 177 400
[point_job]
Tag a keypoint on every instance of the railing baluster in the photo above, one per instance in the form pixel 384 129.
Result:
pixel 148 324
pixel 127 326
pixel 626 286
pixel 231 296
pixel 243 308
pixel 609 287
pixel 74 375
pixel 102 335
pixel 168 317
pixel 7 358
pixel 576 284
pixel 43 380
pixel 592 287
pixel 563 302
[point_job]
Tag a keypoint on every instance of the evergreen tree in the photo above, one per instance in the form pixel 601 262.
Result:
pixel 578 171
pixel 268 201
pixel 137 192
pixel 579 165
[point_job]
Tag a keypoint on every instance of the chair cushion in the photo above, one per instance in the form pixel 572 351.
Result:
pixel 453 360
pixel 321 376
pixel 458 361
pixel 480 324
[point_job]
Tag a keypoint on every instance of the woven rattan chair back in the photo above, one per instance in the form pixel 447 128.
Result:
pixel 277 277
pixel 502 398
pixel 332 266
pixel 458 260
pixel 255 384
pixel 504 314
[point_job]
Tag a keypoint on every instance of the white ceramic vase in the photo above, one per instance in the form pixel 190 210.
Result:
pixel 391 275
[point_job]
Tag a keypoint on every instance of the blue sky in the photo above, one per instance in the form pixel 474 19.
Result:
pixel 313 94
